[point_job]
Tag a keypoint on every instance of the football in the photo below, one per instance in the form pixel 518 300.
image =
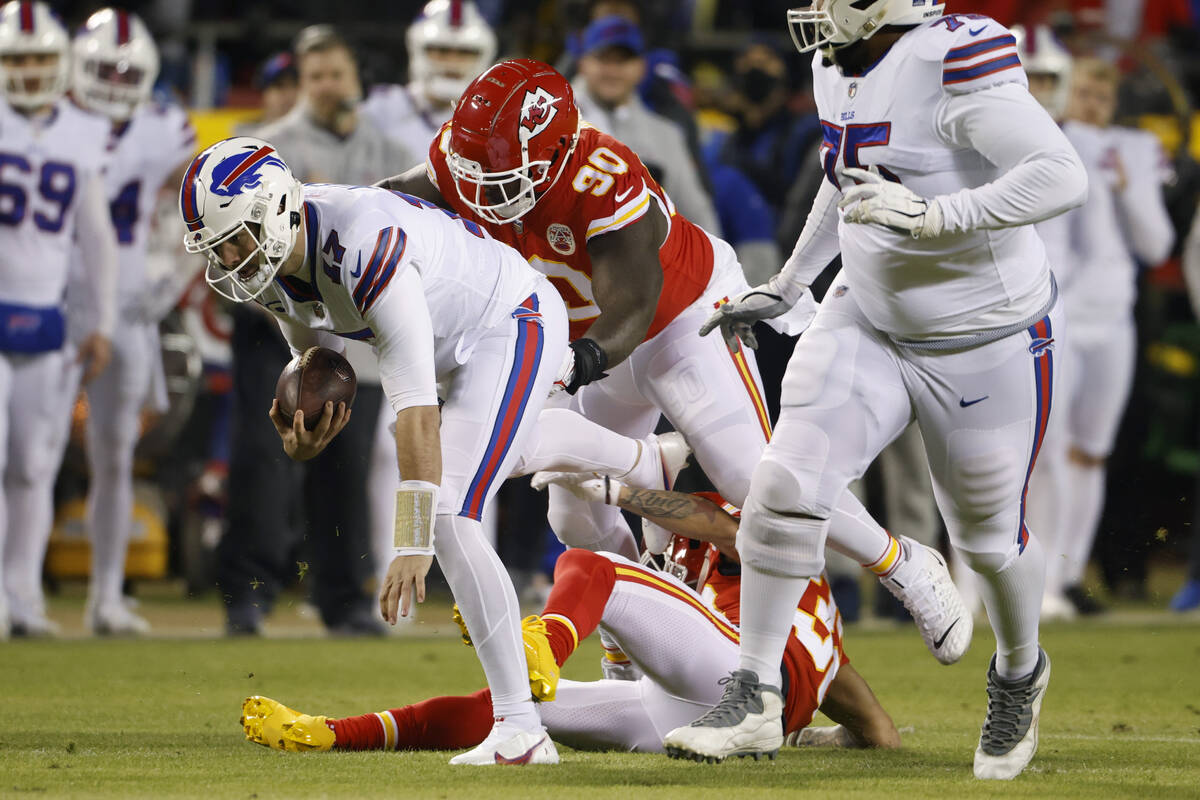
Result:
pixel 312 378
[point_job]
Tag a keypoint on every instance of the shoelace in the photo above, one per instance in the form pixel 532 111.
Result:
pixel 1008 716
pixel 741 697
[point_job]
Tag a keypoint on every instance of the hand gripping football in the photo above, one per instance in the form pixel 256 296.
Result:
pixel 312 378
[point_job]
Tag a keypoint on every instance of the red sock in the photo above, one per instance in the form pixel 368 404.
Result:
pixel 583 582
pixel 440 723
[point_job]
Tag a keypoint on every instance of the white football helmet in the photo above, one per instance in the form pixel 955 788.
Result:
pixel 241 184
pixel 1041 53
pixel 455 25
pixel 31 28
pixel 837 23
pixel 115 63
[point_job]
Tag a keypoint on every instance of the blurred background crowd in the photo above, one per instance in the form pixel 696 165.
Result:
pixel 716 101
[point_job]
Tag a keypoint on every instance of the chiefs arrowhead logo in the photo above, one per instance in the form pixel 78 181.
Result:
pixel 537 109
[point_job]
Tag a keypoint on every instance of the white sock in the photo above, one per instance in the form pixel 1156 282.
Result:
pixel 768 606
pixel 110 519
pixel 564 441
pixel 853 531
pixel 30 517
pixel 1085 485
pixel 1013 599
pixel 1046 512
pixel 488 602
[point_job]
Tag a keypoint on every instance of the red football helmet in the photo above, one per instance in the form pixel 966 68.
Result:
pixel 686 559
pixel 513 132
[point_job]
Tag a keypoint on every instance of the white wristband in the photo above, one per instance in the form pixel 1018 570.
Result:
pixel 416 509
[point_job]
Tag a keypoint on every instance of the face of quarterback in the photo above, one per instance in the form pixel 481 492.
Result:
pixel 329 83
pixel 1093 100
pixel 612 74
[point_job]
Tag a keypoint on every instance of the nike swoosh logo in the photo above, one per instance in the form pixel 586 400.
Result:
pixel 977 31
pixel 358 269
pixel 938 644
pixel 620 196
pixel 524 758
pixel 964 402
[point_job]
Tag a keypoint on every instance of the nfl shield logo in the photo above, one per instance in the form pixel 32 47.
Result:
pixel 853 90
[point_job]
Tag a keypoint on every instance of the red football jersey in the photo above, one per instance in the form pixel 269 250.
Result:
pixel 603 188
pixel 816 639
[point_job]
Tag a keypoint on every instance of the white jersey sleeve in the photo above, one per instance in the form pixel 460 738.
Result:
pixel 818 243
pixel 300 337
pixel 99 249
pixel 1143 210
pixel 1042 174
pixel 977 53
pixel 387 291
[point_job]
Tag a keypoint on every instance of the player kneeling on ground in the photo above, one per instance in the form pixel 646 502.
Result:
pixel 660 622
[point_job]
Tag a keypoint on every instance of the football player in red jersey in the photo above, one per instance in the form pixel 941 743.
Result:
pixel 661 623
pixel 638 280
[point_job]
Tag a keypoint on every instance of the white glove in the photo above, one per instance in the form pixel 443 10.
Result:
pixel 566 373
pixel 587 486
pixel 887 203
pixel 737 317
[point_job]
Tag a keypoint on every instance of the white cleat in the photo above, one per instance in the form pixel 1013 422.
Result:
pixel 1057 608
pixel 827 736
pixel 923 584
pixel 747 722
pixel 509 745
pixel 39 627
pixel 673 453
pixel 1010 732
pixel 115 619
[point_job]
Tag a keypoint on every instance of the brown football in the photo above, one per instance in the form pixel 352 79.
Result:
pixel 312 378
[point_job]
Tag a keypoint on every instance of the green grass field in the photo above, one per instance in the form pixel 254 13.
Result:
pixel 159 718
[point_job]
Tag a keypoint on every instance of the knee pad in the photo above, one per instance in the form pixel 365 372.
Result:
pixel 781 543
pixel 791 476
pixel 988 555
pixel 586 525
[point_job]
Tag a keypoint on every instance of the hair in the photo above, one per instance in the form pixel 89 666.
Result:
pixel 1097 69
pixel 320 39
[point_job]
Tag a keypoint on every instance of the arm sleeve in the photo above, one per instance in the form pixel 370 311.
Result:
pixel 818 243
pixel 96 230
pixel 404 343
pixel 1146 223
pixel 1042 174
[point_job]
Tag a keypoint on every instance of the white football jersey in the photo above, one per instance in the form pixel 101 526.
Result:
pixel 44 163
pixel 404 115
pixel 418 283
pixel 142 154
pixel 893 119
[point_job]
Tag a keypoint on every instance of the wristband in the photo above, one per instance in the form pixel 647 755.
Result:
pixel 416 502
pixel 590 361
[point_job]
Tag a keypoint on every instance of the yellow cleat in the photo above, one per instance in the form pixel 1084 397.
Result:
pixel 456 615
pixel 539 658
pixel 272 724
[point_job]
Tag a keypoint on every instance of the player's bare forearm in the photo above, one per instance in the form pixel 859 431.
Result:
pixel 419 444
pixel 683 514
pixel 627 280
pixel 415 182
pixel 851 703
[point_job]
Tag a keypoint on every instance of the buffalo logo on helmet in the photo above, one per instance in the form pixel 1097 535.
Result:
pixel 560 238
pixel 537 109
pixel 240 173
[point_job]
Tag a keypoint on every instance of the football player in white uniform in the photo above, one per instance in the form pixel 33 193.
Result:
pixel 149 145
pixel 1123 223
pixel 51 190
pixel 448 44
pixel 440 300
pixel 937 160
